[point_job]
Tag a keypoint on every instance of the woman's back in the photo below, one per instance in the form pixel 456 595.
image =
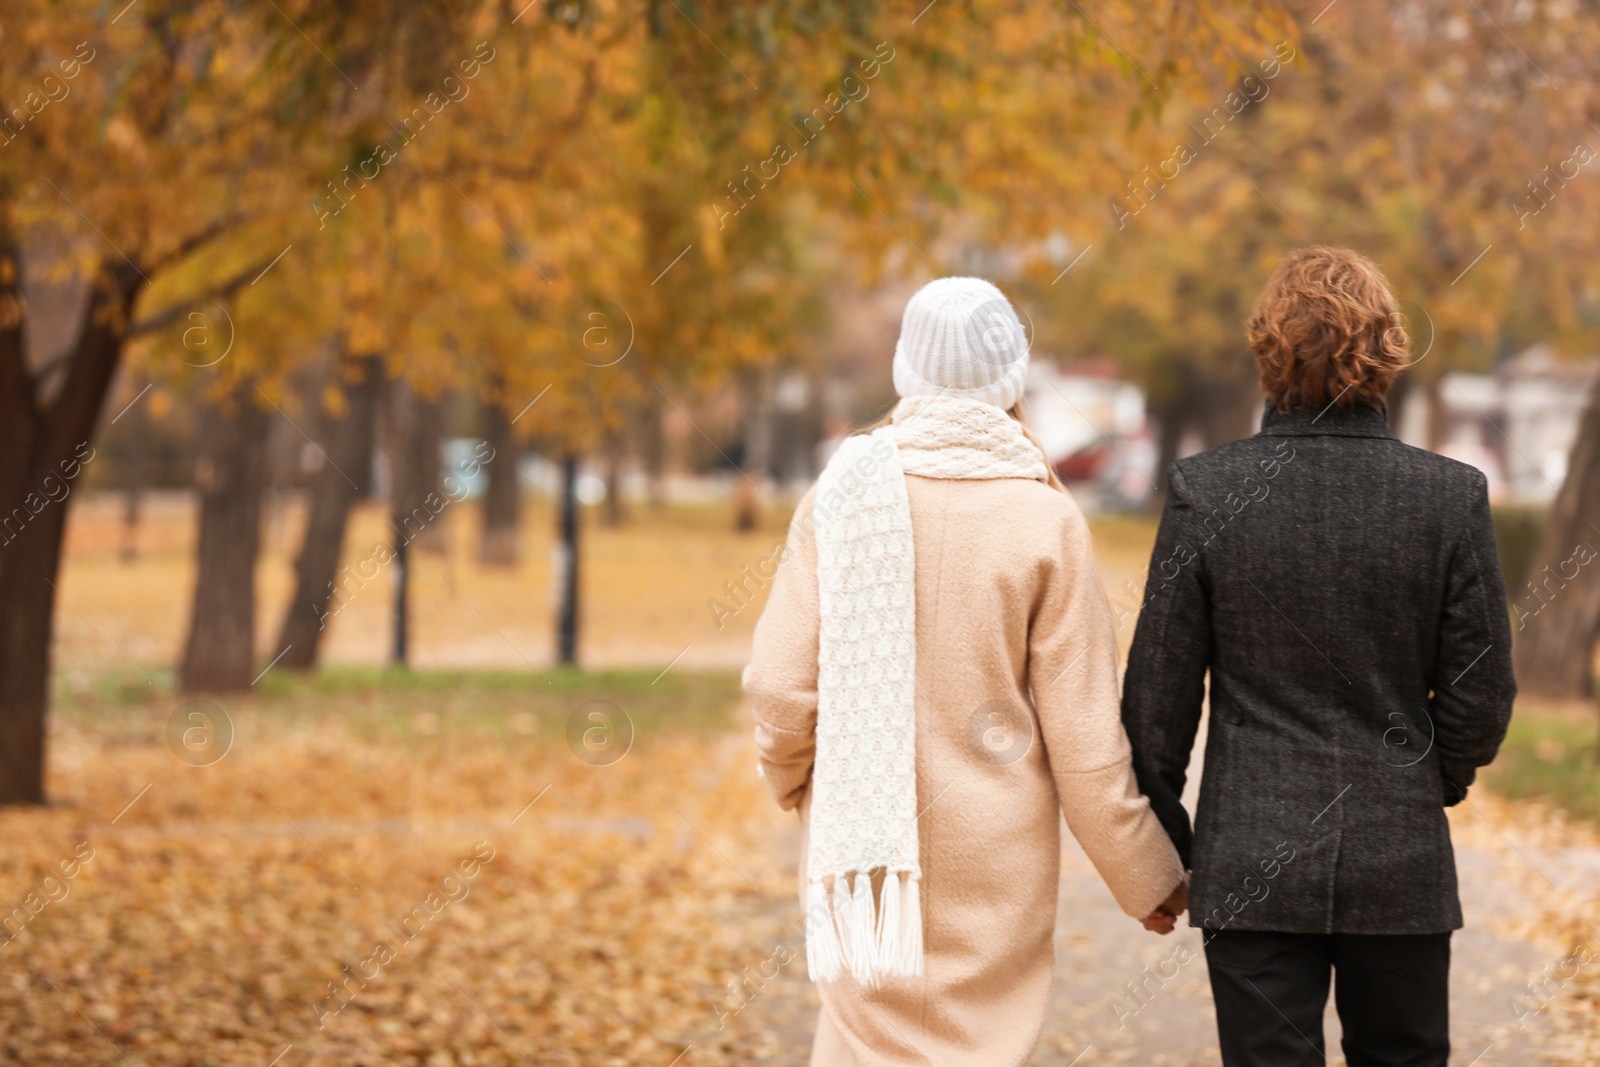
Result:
pixel 934 666
pixel 1016 721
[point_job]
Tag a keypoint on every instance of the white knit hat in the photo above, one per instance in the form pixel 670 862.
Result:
pixel 960 337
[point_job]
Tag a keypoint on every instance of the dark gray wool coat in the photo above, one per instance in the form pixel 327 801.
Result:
pixel 1343 591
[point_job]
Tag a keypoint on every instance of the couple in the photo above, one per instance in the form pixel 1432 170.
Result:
pixel 934 682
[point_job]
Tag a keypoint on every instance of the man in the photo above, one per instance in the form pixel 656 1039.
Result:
pixel 1343 592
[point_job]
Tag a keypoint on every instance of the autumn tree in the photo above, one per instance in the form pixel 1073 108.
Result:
pixel 144 140
pixel 1414 134
pixel 111 137
pixel 451 189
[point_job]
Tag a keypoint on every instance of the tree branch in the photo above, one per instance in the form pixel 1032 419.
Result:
pixel 191 244
pixel 71 416
pixel 168 316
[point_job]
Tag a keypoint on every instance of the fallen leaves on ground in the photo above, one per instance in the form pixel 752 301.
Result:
pixel 327 895
pixel 422 871
pixel 1544 894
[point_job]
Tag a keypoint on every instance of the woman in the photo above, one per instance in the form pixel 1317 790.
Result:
pixel 935 668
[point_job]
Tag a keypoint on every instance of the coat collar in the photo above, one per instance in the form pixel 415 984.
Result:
pixel 1358 420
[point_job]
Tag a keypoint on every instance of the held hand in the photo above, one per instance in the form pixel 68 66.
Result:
pixel 1159 922
pixel 1165 918
pixel 1178 902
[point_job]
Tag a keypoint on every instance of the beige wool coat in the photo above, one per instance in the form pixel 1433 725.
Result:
pixel 1017 723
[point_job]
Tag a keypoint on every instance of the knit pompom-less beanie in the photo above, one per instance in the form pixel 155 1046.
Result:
pixel 960 337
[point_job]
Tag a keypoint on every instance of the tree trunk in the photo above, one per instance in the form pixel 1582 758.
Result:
pixel 29 622
pixel 1171 404
pixel 1433 393
pixel 133 483
pixel 427 432
pixel 653 445
pixel 219 655
pixel 416 509
pixel 1400 393
pixel 757 459
pixel 43 448
pixel 501 498
pixel 565 576
pixel 1558 610
pixel 400 644
pixel 409 517
pixel 349 458
pixel 1229 395
pixel 616 512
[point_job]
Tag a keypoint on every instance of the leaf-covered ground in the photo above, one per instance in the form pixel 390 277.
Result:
pixel 302 899
pixel 425 873
pixel 422 870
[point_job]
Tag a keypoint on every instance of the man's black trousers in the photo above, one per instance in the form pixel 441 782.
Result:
pixel 1392 993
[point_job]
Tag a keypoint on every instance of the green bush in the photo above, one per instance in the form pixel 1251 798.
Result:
pixel 1516 533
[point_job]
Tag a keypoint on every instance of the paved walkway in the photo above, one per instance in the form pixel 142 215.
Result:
pixel 1519 877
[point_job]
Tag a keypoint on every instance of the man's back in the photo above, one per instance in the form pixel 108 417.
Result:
pixel 1342 589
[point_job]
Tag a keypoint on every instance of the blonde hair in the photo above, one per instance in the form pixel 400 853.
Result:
pixel 1016 412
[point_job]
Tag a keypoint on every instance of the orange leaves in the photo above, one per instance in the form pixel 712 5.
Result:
pixel 581 153
pixel 272 898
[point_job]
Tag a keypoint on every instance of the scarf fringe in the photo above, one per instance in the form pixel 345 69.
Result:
pixel 844 932
pixel 887 953
pixel 861 951
pixel 824 957
pixel 909 957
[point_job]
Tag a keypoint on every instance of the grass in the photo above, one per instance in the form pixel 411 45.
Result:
pixel 1550 754
pixel 380 704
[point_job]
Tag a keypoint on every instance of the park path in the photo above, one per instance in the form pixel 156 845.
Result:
pixel 1521 872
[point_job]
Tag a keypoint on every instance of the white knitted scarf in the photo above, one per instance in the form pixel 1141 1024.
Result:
pixel 864 786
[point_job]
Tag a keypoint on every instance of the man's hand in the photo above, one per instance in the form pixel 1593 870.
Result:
pixel 1165 918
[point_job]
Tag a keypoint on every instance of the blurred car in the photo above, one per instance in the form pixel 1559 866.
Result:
pixel 1111 473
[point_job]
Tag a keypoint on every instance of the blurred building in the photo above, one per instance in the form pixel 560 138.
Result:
pixel 1516 425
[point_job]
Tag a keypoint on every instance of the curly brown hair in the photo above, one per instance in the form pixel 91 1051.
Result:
pixel 1326 329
